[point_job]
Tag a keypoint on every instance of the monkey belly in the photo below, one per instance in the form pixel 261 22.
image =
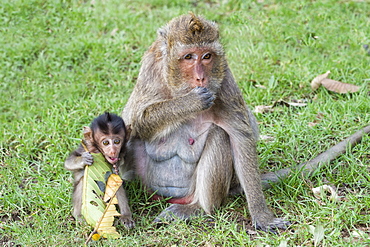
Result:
pixel 172 161
pixel 171 178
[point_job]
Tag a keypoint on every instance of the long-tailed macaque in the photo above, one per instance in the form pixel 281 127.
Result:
pixel 193 137
pixel 108 135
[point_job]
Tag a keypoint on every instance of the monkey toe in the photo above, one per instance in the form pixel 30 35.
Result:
pixel 281 224
pixel 128 223
pixel 273 226
pixel 178 212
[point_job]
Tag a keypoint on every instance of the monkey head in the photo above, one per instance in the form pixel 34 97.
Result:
pixel 192 53
pixel 108 135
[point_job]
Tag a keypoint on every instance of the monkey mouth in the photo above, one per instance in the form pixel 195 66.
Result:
pixel 112 160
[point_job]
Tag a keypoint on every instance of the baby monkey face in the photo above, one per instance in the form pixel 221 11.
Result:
pixel 110 145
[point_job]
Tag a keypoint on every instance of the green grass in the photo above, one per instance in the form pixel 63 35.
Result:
pixel 64 62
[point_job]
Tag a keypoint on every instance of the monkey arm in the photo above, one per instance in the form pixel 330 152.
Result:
pixel 78 159
pixel 236 119
pixel 163 117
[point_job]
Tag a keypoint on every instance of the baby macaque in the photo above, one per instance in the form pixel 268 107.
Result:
pixel 108 135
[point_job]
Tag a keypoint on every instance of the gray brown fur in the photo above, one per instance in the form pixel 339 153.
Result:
pixel 194 142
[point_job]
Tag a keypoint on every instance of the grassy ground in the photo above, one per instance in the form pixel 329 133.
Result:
pixel 64 62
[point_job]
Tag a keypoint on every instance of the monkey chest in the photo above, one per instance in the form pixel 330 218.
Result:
pixel 186 143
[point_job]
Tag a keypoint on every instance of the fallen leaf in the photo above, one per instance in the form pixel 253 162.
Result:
pixel 269 108
pixel 266 138
pixel 316 82
pixel 283 243
pixel 318 119
pixel 332 85
pixel 339 87
pixel 318 192
pixel 263 109
pixel 284 103
pixel 114 31
pixel 358 234
pixel 318 233
pixel 260 86
pixel 312 124
pixel 251 232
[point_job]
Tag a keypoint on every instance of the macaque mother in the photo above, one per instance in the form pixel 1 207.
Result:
pixel 193 137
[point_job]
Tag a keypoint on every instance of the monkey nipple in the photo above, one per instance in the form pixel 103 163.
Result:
pixel 191 141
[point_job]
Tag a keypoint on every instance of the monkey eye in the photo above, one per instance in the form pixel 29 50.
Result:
pixel 105 143
pixel 207 56
pixel 117 141
pixel 188 56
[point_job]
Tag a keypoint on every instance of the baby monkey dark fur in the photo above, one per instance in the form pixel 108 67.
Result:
pixel 108 135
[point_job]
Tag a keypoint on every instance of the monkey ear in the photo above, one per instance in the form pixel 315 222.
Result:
pixel 128 132
pixel 162 36
pixel 87 132
pixel 162 32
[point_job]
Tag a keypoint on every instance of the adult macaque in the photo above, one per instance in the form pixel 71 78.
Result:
pixel 193 137
pixel 108 135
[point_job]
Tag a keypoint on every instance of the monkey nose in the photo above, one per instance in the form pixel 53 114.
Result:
pixel 200 81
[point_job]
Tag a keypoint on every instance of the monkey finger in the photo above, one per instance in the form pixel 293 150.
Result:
pixel 88 161
pixel 210 100
pixel 272 227
pixel 87 158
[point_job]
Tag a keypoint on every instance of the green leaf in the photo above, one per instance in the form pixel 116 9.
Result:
pixel 93 205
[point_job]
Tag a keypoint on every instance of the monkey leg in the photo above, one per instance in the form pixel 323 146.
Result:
pixel 77 200
pixel 211 179
pixel 249 178
pixel 214 171
pixel 124 208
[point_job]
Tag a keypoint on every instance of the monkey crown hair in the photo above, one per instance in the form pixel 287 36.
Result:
pixel 108 123
pixel 189 29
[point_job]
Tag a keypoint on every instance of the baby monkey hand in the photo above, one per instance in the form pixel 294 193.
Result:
pixel 87 158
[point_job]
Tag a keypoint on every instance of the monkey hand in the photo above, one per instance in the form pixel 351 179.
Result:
pixel 87 159
pixel 206 97
pixel 273 225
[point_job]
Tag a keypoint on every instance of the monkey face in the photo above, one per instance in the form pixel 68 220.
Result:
pixel 110 145
pixel 196 65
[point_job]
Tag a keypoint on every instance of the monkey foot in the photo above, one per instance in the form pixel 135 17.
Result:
pixel 127 222
pixel 178 212
pixel 276 223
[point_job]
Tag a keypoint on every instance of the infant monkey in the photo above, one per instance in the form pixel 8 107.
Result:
pixel 108 135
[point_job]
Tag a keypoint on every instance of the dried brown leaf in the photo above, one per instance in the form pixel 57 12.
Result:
pixel 333 85
pixel 266 138
pixel 316 82
pixel 312 124
pixel 114 31
pixel 260 86
pixel 288 104
pixel 263 109
pixel 339 87
pixel 318 191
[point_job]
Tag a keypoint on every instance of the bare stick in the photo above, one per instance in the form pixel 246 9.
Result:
pixel 308 167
